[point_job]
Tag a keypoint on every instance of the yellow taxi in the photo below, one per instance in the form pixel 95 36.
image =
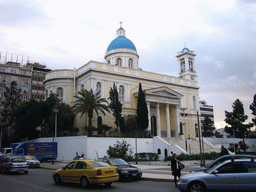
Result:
pixel 86 172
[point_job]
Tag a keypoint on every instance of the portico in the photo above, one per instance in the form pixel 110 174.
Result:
pixel 163 106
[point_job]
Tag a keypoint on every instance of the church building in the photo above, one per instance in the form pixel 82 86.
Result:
pixel 173 102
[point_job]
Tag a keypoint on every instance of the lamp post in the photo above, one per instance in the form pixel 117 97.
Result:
pixel 55 133
pixel 183 109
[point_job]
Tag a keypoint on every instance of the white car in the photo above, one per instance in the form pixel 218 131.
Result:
pixel 32 161
pixel 12 164
pixel 236 174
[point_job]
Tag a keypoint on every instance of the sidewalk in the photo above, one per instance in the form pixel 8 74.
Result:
pixel 155 170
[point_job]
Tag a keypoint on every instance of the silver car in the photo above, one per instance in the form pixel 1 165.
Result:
pixel 12 164
pixel 236 174
pixel 32 161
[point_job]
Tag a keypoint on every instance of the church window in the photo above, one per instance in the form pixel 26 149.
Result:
pixel 109 61
pixel 119 62
pixel 190 63
pixel 130 63
pixel 121 93
pixel 194 102
pixel 182 65
pixel 99 124
pixel 82 87
pixel 60 93
pixel 98 88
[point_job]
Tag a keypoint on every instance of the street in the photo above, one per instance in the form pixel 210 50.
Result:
pixel 41 180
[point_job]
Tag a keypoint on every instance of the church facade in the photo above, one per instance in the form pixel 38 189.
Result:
pixel 173 102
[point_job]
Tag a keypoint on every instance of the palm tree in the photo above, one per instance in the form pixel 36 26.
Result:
pixel 87 102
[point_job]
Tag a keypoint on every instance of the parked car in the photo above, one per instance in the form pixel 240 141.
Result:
pixel 125 170
pixel 222 159
pixel 236 174
pixel 2 156
pixel 12 164
pixel 86 172
pixel 32 161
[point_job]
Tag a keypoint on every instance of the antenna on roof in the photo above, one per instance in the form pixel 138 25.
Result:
pixel 184 44
pixel 120 24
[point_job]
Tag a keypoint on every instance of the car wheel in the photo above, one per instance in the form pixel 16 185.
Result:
pixel 196 187
pixel 57 179
pixel 108 184
pixel 26 172
pixel 84 182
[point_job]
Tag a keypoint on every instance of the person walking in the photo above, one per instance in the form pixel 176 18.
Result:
pixel 175 168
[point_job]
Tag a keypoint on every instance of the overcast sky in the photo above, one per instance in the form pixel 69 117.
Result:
pixel 68 34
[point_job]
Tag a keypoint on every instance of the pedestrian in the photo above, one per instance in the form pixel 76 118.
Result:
pixel 82 156
pixel 175 168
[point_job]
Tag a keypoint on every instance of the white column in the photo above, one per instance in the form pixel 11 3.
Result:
pixel 168 121
pixel 177 121
pixel 158 122
pixel 149 117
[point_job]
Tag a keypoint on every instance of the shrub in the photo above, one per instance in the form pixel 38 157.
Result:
pixel 120 150
pixel 183 157
pixel 223 151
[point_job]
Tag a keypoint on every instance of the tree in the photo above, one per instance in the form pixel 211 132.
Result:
pixel 12 100
pixel 65 120
pixel 142 111
pixel 105 128
pixel 236 120
pixel 253 108
pixel 28 116
pixel 115 106
pixel 130 124
pixel 87 102
pixel 207 124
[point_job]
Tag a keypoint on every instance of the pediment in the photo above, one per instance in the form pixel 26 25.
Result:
pixel 163 92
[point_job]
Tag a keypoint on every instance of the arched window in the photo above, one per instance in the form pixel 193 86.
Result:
pixel 194 102
pixel 190 63
pixel 165 153
pixel 119 62
pixel 82 87
pixel 99 123
pixel 159 151
pixel 98 88
pixel 196 130
pixel 109 61
pixel 181 128
pixel 121 93
pixel 182 65
pixel 60 93
pixel 130 63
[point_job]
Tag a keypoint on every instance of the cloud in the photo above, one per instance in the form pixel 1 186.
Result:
pixel 22 12
pixel 232 78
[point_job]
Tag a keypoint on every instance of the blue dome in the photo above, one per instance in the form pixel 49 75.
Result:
pixel 121 42
pixel 185 48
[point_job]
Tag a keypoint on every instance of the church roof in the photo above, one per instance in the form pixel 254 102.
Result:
pixel 121 42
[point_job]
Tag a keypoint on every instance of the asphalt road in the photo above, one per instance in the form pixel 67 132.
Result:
pixel 40 180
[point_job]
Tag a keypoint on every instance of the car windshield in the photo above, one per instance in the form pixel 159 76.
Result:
pixel 30 158
pixel 17 159
pixel 99 163
pixel 118 162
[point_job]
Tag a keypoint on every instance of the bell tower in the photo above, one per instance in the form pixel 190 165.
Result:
pixel 186 60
